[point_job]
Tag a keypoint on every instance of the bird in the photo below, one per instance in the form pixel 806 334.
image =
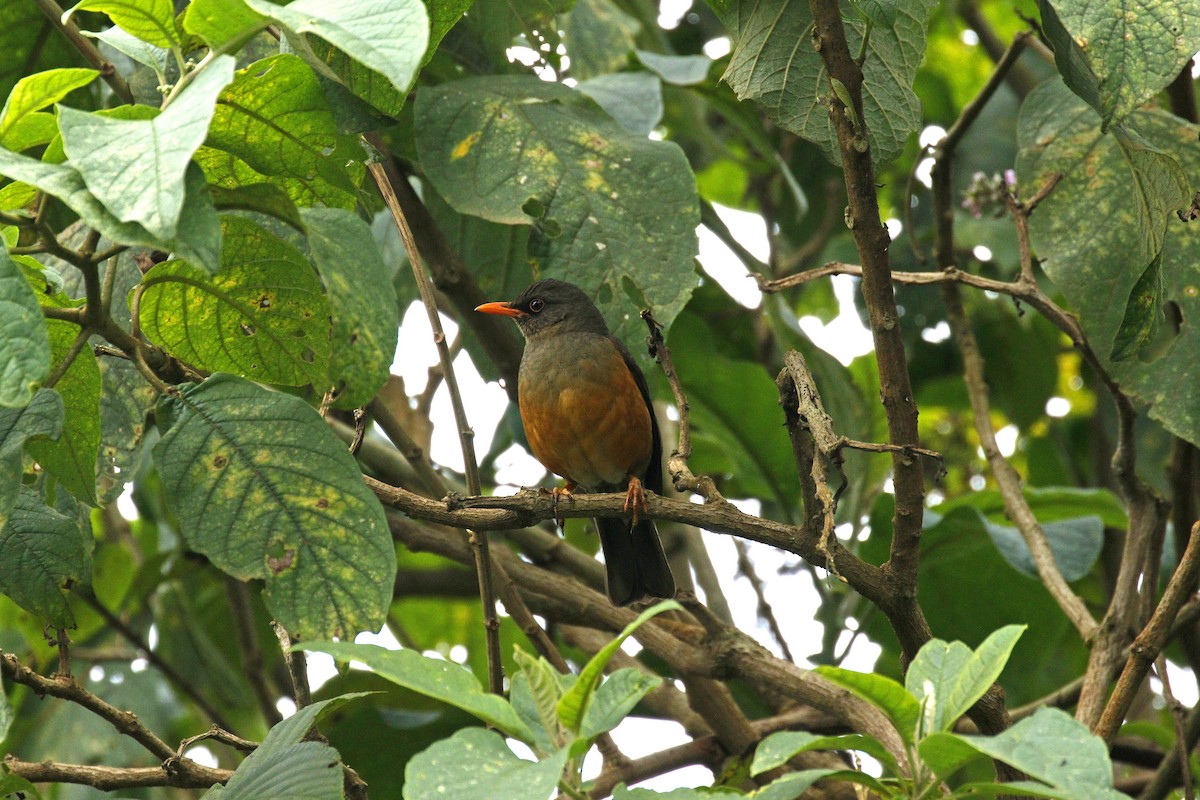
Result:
pixel 588 418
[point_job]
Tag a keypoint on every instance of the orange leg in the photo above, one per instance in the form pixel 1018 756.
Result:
pixel 560 492
pixel 635 498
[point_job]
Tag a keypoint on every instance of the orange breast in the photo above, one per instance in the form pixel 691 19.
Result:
pixel 584 416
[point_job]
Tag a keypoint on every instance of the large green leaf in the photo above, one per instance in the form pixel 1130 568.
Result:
pixel 477 764
pixel 24 344
pixel 387 36
pixel 1107 220
pixel 261 486
pixel 197 238
pixel 948 677
pixel 1052 747
pixel 42 417
pixel 365 317
pixel 151 20
pixel 612 211
pixel 38 91
pixel 262 315
pixel 633 99
pixel 882 692
pixel 42 552
pixel 287 766
pixel 779 748
pixel 952 559
pixel 228 172
pixel 275 118
pixel 614 699
pixel 432 677
pixel 72 458
pixel 1117 54
pixel 575 705
pixel 136 167
pixel 774 62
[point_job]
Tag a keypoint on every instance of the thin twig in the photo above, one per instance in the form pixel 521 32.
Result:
pixel 765 612
pixel 466 436
pixel 181 773
pixel 249 650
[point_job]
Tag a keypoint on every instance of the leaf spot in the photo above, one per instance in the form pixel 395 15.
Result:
pixel 322 502
pixel 462 148
pixel 248 329
pixel 281 562
pixel 219 461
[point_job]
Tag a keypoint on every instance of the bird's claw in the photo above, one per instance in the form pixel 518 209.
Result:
pixel 556 493
pixel 635 498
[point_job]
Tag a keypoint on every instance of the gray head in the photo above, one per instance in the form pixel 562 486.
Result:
pixel 551 305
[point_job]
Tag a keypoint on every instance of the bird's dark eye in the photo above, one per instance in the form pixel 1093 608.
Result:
pixel 536 304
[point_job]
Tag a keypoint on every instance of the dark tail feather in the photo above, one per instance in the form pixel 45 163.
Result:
pixel 634 558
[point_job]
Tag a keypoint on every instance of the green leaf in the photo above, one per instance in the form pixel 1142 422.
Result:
pixel 432 677
pixel 774 63
pixel 35 92
pixel 15 786
pixel 43 417
pixel 229 172
pixel 1143 313
pixel 780 747
pixel 387 36
pixel 573 707
pixel 1103 224
pixel 676 70
pixel 599 38
pixel 220 21
pixel 633 99
pixel 136 168
pixel 1075 542
pixel 613 212
pixel 24 343
pixel 1052 747
pixel 366 319
pixel 285 765
pixel 888 696
pixel 612 702
pixel 72 458
pixel 317 535
pixel 151 20
pixel 33 130
pixel 197 239
pixel 265 198
pixel 476 764
pixel 946 753
pixel 137 49
pixel 534 695
pixel 1120 53
pixel 793 785
pixel 42 552
pixel 262 315
pixel 275 118
pixel 950 677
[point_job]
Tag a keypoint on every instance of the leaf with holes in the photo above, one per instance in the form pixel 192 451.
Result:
pixel 774 63
pixel 262 315
pixel 275 118
pixel 612 211
pixel 261 485
pixel 366 318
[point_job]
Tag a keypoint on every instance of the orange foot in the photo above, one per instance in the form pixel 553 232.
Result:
pixel 635 498
pixel 560 492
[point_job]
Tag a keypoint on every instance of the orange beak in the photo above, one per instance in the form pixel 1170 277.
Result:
pixel 500 308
